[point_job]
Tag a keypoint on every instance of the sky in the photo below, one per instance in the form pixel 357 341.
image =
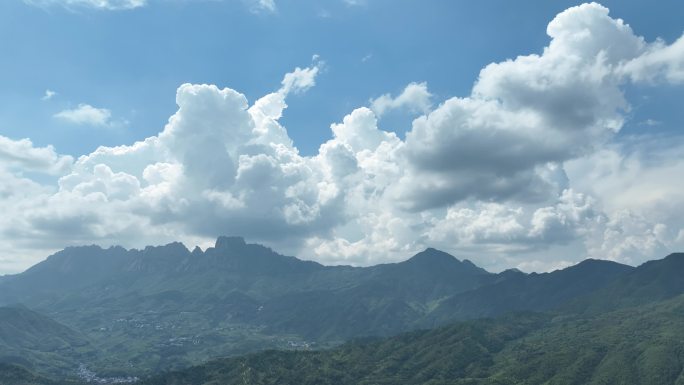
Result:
pixel 527 134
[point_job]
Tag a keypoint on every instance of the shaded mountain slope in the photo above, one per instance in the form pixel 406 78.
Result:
pixel 386 299
pixel 652 281
pixel 534 292
pixel 39 343
pixel 16 375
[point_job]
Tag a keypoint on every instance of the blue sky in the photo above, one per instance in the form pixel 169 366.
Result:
pixel 124 67
pixel 132 61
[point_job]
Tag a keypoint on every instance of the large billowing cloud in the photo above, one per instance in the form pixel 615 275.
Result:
pixel 525 116
pixel 522 172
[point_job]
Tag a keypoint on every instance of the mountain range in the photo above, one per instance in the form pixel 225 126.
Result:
pixel 141 312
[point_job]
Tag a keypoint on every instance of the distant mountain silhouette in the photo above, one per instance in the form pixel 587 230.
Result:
pixel 650 282
pixel 516 291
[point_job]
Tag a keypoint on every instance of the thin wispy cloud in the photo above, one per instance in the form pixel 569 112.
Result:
pixel 85 114
pixel 355 3
pixel 49 94
pixel 651 122
pixel 111 5
pixel 262 6
pixel 256 6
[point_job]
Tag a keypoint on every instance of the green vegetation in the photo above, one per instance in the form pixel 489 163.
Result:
pixel 516 291
pixel 643 345
pixel 16 375
pixel 38 343
pixel 653 281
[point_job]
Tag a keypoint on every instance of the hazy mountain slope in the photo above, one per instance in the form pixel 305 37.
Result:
pixel 613 348
pixel 40 343
pixel 652 281
pixel 243 283
pixel 534 292
pixel 387 300
pixel 16 375
pixel 23 328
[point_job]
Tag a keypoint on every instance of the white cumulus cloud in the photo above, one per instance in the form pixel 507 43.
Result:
pixel 23 155
pixel 414 98
pixel 524 171
pixel 660 62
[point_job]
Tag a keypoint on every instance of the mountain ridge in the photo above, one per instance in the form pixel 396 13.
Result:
pixel 165 307
pixel 233 243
